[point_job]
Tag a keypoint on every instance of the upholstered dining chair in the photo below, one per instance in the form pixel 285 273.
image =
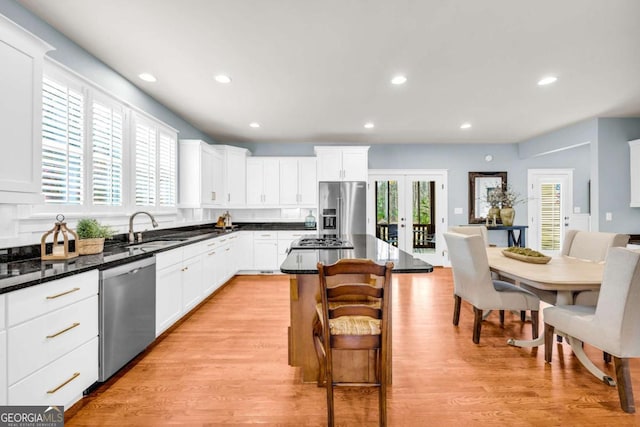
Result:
pixel 592 246
pixel 354 314
pixel 610 326
pixel 472 282
pixel 471 230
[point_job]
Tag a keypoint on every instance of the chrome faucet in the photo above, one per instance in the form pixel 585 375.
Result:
pixel 132 237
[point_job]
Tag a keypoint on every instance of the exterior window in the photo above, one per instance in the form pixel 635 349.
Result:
pixel 62 143
pixel 167 170
pixel 107 131
pixel 145 173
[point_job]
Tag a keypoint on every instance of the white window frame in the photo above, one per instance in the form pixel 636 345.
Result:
pixel 90 93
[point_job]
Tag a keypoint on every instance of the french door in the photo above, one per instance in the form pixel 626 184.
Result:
pixel 550 193
pixel 408 210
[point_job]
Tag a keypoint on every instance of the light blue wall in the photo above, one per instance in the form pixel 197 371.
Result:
pixel 613 170
pixel 73 56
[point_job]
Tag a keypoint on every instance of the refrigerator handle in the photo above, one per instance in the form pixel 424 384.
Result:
pixel 339 218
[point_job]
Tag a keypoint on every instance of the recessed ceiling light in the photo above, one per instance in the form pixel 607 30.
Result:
pixel 254 124
pixel 466 125
pixel 399 80
pixel 221 78
pixel 547 80
pixel 147 77
pixel 369 125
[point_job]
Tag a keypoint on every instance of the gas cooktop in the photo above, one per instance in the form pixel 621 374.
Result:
pixel 321 243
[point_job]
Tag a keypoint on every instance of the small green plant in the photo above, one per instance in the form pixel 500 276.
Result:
pixel 90 228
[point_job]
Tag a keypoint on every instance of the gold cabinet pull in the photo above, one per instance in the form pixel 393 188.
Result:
pixel 63 293
pixel 73 377
pixel 212 253
pixel 76 324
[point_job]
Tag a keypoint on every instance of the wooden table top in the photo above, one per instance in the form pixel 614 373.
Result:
pixel 562 273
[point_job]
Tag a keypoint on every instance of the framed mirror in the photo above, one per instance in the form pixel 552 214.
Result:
pixel 480 185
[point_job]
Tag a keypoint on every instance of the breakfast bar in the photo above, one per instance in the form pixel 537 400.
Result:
pixel 301 264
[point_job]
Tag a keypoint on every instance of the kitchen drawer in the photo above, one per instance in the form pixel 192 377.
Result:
pixel 192 250
pixel 36 300
pixel 265 235
pixel 61 382
pixel 37 342
pixel 292 235
pixel 168 258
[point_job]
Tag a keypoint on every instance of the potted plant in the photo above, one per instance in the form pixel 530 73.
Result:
pixel 91 235
pixel 510 198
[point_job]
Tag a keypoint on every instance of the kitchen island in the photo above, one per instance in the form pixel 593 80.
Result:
pixel 301 264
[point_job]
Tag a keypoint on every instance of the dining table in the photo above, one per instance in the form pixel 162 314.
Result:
pixel 563 276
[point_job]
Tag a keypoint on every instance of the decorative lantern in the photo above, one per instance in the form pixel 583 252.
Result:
pixel 59 251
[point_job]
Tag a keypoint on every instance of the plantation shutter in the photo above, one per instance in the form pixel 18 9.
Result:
pixel 107 155
pixel 550 216
pixel 167 170
pixel 145 171
pixel 62 143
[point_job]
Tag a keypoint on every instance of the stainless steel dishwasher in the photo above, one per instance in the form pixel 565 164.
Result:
pixel 127 313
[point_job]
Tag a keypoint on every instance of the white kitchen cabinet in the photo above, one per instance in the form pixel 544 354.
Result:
pixel 52 341
pixel 201 175
pixel 634 151
pixel 178 284
pixel 263 181
pixel 342 163
pixel 211 266
pixel 244 250
pixel 21 56
pixel 265 250
pixel 298 181
pixel 234 175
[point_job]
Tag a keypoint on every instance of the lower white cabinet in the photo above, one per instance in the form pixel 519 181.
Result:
pixel 265 250
pixel 178 284
pixel 60 382
pixel 51 341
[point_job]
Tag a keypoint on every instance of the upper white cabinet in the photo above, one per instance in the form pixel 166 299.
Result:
pixel 234 175
pixel 21 56
pixel 342 163
pixel 263 181
pixel 201 175
pixel 634 147
pixel 298 181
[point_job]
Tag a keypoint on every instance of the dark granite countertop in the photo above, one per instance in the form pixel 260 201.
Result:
pixel 304 261
pixel 22 267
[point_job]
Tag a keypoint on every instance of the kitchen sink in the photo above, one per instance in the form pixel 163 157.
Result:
pixel 157 244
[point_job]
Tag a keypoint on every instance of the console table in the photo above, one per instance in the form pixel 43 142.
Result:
pixel 520 240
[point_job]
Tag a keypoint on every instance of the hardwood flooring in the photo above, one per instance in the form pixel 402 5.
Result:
pixel 226 364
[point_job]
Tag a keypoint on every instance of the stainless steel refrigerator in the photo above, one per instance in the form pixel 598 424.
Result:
pixel 342 208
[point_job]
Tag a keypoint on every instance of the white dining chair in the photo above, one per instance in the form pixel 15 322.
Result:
pixel 472 282
pixel 610 326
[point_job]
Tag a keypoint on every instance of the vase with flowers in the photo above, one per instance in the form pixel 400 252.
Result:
pixel 510 198
pixel 494 200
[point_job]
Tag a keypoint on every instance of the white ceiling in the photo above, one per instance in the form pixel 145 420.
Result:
pixel 316 71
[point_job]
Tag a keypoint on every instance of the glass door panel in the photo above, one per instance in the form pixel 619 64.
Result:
pixel 386 202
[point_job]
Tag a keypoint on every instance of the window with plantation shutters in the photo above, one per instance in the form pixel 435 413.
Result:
pixel 145 165
pixel 107 137
pixel 167 148
pixel 62 143
pixel 550 216
pixel 101 155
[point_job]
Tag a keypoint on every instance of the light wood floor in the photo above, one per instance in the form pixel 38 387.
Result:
pixel 227 365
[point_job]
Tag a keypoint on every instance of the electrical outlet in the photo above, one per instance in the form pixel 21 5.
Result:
pixel 576 209
pixel 608 216
pixel 457 211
